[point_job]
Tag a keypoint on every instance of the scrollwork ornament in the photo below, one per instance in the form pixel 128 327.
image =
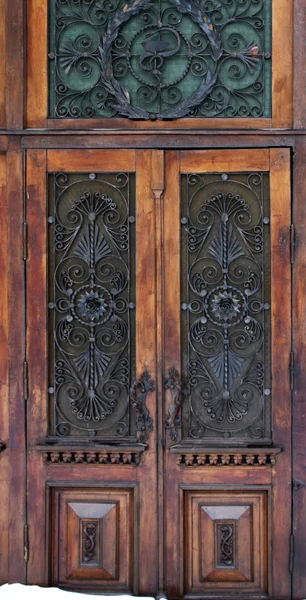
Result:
pixel 228 336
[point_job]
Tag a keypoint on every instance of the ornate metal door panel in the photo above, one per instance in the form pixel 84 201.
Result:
pixel 91 421
pixel 227 417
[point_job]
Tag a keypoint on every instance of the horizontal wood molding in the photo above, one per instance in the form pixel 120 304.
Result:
pixel 217 161
pixel 90 160
pixel 225 457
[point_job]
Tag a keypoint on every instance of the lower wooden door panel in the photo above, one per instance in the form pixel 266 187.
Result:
pixel 225 541
pixel 158 345
pixel 94 536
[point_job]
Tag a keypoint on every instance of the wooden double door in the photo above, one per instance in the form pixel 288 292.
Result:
pixel 158 343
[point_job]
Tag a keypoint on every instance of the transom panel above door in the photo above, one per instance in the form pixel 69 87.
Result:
pixel 170 63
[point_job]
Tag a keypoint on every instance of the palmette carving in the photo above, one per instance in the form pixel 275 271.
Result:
pixel 229 459
pixel 226 306
pixel 93 458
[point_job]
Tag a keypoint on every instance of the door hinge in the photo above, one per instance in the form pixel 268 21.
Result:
pixel 292 243
pixel 298 485
pixel 26 544
pixel 25 380
pixel 291 554
pixel 292 369
pixel 25 241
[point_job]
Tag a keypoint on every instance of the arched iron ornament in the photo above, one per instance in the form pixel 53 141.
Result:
pixel 163 59
pixel 155 53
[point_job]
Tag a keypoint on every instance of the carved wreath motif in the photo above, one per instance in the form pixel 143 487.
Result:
pixel 122 102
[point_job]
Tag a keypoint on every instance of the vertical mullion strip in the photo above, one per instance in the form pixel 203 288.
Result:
pixel 157 184
pixel 282 38
pixel 267 61
pixel 146 360
pixel 172 314
pixel 36 93
pixel 281 346
pixel 14 24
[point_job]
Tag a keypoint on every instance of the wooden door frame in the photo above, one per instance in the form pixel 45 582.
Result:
pixel 277 163
pixel 14 138
pixel 46 465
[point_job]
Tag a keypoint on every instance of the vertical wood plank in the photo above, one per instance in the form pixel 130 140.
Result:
pixel 299 345
pixel 14 63
pixel 157 184
pixel 282 63
pixel 299 66
pixel 36 344
pixel 2 64
pixel 37 75
pixel 172 359
pixel 4 395
pixel 36 295
pixel 281 346
pixel 146 359
pixel 17 480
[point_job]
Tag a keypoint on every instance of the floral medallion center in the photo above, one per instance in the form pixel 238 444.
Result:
pixel 92 305
pixel 225 306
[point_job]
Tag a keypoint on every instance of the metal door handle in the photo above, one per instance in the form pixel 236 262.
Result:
pixel 138 394
pixel 173 419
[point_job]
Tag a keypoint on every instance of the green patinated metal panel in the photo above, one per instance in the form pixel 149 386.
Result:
pixel 159 59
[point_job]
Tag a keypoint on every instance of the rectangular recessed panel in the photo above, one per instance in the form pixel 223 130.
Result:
pixel 225 306
pixel 166 59
pixel 93 538
pixel 91 303
pixel 225 544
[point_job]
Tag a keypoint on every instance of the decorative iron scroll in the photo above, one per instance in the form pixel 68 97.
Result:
pixel 225 534
pixel 160 59
pixel 226 306
pixel 91 293
pixel 89 541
